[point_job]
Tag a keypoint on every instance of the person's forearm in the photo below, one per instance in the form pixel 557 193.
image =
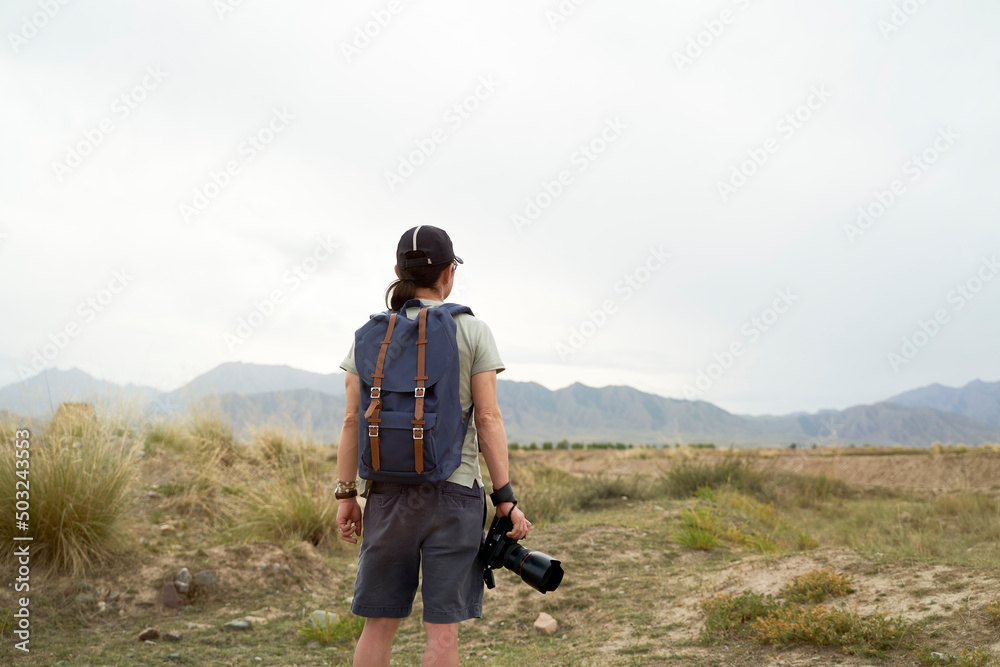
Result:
pixel 347 450
pixel 493 443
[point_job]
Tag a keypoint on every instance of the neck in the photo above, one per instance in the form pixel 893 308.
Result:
pixel 429 294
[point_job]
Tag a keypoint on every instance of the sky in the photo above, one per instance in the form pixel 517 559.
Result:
pixel 771 206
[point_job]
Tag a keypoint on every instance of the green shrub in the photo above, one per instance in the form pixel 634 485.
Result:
pixel 737 472
pixel 872 635
pixel 700 529
pixel 339 631
pixel 816 586
pixel 731 615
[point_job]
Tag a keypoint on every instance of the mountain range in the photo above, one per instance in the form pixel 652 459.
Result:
pixel 251 394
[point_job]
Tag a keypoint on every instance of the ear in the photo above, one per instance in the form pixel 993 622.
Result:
pixel 396 269
pixel 447 281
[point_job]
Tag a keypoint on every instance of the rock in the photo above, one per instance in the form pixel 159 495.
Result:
pixel 149 633
pixel 103 591
pixel 200 626
pixel 154 494
pixel 206 579
pixel 313 645
pixel 174 656
pixel 102 607
pixel 546 624
pixel 84 586
pixel 276 568
pixel 85 598
pixel 172 636
pixel 905 517
pixel 240 624
pixel 165 527
pixel 171 600
pixel 149 642
pixel 321 619
pixel 114 596
pixel 285 569
pixel 145 603
pixel 182 581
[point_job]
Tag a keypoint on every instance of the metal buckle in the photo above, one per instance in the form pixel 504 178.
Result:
pixel 418 435
pixel 376 392
pixel 419 392
pixel 371 433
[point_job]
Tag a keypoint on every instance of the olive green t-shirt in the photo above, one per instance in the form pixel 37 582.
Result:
pixel 477 353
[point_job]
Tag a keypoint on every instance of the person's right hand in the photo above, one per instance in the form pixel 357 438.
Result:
pixel 521 524
pixel 349 519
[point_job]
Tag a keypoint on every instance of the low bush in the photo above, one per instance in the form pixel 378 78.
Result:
pixel 732 614
pixel 993 610
pixel 817 586
pixel 333 629
pixel 736 472
pixel 872 635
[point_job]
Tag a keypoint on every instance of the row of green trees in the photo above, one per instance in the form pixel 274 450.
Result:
pixel 566 444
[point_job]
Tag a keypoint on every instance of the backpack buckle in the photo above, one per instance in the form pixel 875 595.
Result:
pixel 419 392
pixel 418 433
pixel 373 431
pixel 376 392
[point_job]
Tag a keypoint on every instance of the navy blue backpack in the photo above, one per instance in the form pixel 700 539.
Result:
pixel 411 430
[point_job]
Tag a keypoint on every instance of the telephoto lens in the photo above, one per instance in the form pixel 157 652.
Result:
pixel 540 571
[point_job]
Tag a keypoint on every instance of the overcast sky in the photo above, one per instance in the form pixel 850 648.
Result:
pixel 664 195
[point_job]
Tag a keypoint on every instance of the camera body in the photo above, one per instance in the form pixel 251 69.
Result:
pixel 538 570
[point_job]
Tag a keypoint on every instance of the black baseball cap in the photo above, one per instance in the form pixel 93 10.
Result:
pixel 433 242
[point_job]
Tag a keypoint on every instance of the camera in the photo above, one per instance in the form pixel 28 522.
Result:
pixel 538 570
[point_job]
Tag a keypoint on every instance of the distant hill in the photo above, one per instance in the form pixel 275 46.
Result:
pixel 977 400
pixel 625 414
pixel 616 414
pixel 251 394
pixel 245 379
pixel 889 423
pixel 41 395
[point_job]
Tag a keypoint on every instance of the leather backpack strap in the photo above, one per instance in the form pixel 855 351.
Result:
pixel 421 378
pixel 371 414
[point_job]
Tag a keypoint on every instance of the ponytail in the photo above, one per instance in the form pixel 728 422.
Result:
pixel 405 288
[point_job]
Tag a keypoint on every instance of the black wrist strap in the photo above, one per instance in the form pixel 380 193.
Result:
pixel 505 494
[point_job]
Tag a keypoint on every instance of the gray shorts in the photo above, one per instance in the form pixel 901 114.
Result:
pixel 442 525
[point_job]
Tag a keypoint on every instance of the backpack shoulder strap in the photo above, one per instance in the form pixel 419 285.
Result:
pixel 371 414
pixel 456 308
pixel 421 378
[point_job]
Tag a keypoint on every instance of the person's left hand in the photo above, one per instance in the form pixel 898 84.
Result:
pixel 349 519
pixel 521 524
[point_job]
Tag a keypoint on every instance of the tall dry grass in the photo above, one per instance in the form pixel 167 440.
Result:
pixel 78 492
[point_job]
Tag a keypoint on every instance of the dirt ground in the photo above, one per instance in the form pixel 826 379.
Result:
pixel 935 594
